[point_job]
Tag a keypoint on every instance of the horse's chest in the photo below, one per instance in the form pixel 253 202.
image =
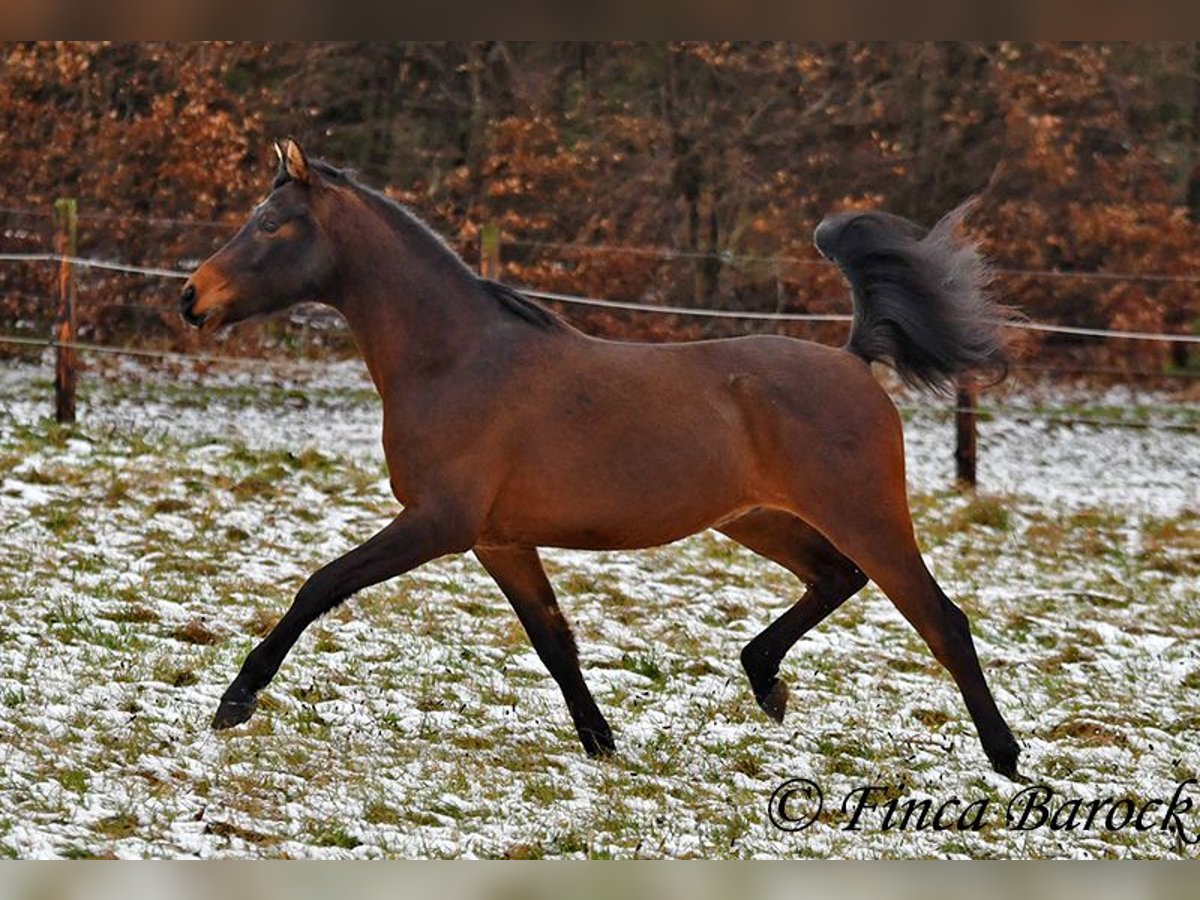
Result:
pixel 403 477
pixel 425 455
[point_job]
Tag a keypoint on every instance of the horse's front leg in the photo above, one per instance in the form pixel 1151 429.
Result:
pixel 414 538
pixel 519 573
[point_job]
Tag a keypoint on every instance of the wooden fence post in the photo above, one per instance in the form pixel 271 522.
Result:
pixel 965 437
pixel 489 251
pixel 64 320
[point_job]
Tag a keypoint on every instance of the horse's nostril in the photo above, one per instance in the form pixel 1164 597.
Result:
pixel 189 295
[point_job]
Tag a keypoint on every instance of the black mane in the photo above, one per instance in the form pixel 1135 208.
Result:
pixel 522 306
pixel 407 223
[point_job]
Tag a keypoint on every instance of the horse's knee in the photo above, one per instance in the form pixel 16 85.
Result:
pixel 836 581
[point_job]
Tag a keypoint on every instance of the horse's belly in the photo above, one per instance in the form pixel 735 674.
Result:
pixel 621 502
pixel 597 533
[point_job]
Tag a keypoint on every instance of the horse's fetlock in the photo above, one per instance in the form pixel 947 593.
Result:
pixel 760 668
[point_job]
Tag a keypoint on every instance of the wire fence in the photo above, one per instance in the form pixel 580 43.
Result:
pixel 966 410
pixel 147 353
pixel 663 253
pixel 783 260
pixel 574 299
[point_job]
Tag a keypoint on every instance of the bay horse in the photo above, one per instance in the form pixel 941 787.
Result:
pixel 505 429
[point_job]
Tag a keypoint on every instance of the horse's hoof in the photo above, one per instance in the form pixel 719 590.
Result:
pixel 598 742
pixel 774 701
pixel 233 712
pixel 1004 761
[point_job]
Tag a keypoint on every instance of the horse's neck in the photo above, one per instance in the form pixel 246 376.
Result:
pixel 413 313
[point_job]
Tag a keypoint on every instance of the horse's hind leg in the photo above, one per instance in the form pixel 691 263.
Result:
pixel 956 651
pixel 945 628
pixel 831 579
pixel 519 573
pixel 876 532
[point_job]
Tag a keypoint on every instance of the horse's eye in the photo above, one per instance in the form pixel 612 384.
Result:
pixel 270 226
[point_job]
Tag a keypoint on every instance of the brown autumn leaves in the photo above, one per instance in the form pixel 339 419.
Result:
pixel 1085 157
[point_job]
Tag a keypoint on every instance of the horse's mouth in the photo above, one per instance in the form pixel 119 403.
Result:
pixel 208 321
pixel 205 307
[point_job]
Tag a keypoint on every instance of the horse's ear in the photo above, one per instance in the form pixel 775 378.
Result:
pixel 278 152
pixel 294 162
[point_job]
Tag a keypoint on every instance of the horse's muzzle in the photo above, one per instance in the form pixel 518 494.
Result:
pixel 186 301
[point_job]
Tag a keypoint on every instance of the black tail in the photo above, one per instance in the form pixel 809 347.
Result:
pixel 920 303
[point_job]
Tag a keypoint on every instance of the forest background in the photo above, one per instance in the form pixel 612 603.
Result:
pixel 688 174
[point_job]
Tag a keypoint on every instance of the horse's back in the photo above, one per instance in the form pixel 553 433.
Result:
pixel 775 379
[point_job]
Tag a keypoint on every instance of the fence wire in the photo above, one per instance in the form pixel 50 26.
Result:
pixel 984 412
pixel 575 299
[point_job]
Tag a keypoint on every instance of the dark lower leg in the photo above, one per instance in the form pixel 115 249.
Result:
pixel 832 579
pixel 518 572
pixel 954 648
pixel 762 657
pixel 405 544
pixel 945 628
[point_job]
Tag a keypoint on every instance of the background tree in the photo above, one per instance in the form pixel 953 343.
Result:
pixel 687 173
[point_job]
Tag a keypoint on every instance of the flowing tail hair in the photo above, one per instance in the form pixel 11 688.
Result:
pixel 920 297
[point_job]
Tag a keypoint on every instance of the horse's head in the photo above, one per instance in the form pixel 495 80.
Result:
pixel 280 257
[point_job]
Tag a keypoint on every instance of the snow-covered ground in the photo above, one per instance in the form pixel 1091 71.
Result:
pixel 142 552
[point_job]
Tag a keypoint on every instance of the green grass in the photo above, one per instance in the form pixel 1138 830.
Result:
pixel 417 720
